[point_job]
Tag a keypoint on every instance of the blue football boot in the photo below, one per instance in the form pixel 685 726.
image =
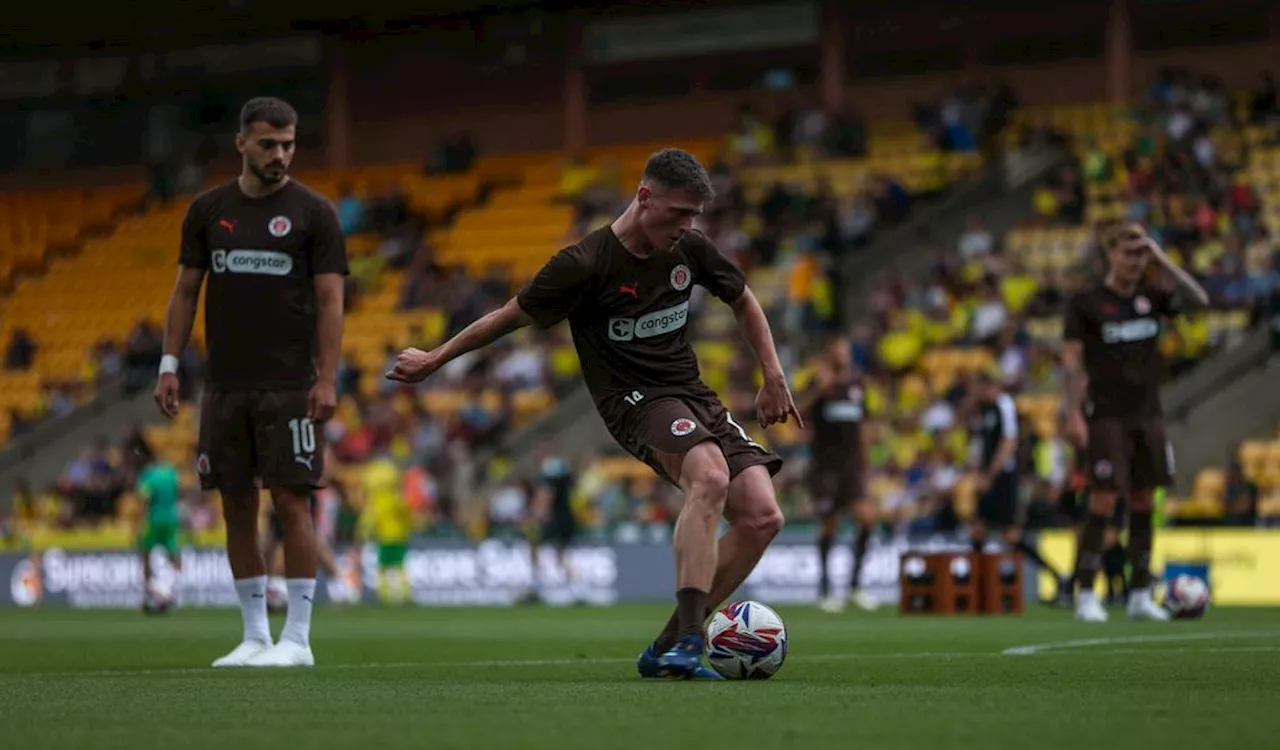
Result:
pixel 681 662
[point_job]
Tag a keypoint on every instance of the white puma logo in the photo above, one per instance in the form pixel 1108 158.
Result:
pixel 305 461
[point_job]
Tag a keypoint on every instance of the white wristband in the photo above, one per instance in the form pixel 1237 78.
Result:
pixel 168 365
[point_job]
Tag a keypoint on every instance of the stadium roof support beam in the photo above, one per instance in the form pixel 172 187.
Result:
pixel 1119 53
pixel 575 88
pixel 831 67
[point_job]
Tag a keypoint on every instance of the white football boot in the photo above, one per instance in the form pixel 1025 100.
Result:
pixel 832 605
pixel 283 654
pixel 1143 607
pixel 864 601
pixel 242 653
pixel 1088 608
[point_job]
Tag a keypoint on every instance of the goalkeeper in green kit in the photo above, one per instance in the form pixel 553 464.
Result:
pixel 158 490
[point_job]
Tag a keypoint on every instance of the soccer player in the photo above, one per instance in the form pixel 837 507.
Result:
pixel 995 434
pixel 840 452
pixel 625 290
pixel 387 520
pixel 275 260
pixel 1112 345
pixel 158 488
pixel 553 514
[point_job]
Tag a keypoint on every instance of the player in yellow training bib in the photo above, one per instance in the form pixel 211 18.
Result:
pixel 387 520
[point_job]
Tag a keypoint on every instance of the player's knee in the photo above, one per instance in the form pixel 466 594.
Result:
pixel 766 522
pixel 1012 536
pixel 827 526
pixel 709 488
pixel 1102 503
pixel 240 509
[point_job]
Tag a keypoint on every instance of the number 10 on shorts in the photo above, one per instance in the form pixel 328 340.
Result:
pixel 304 436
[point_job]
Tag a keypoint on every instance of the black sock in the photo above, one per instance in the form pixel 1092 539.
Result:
pixel 671 631
pixel 859 552
pixel 824 549
pixel 1091 538
pixel 1113 567
pixel 1140 533
pixel 691 609
pixel 1031 552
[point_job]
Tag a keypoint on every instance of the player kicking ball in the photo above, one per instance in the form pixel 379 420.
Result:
pixel 625 291
pixel 275 259
pixel 1112 346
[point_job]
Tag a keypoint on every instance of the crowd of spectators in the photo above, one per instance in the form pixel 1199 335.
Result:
pixel 1180 175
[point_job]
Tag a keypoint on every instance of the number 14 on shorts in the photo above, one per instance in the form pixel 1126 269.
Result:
pixel 633 398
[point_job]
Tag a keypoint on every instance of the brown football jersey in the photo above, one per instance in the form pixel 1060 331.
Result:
pixel 837 418
pixel 1121 338
pixel 261 256
pixel 629 316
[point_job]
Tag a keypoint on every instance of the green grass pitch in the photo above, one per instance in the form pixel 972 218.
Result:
pixel 564 678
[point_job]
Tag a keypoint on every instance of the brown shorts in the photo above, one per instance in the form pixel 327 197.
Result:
pixel 834 489
pixel 252 438
pixel 1129 455
pixel 660 432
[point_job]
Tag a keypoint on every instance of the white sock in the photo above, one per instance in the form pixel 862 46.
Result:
pixel 1139 594
pixel 297 623
pixel 1086 596
pixel 253 608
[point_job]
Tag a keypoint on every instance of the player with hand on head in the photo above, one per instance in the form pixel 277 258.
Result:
pixel 835 404
pixel 625 290
pixel 1112 347
pixel 275 258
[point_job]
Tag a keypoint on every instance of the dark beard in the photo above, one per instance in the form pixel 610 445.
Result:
pixel 265 177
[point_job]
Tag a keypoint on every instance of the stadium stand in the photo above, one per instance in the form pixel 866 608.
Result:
pixel 789 207
pixel 520 208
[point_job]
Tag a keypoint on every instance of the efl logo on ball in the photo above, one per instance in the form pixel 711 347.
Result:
pixel 682 427
pixel 681 277
pixel 279 226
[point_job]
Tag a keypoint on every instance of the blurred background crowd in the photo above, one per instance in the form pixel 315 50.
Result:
pixel 804 185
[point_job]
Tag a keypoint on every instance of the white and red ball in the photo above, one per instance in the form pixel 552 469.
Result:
pixel 746 641
pixel 1187 597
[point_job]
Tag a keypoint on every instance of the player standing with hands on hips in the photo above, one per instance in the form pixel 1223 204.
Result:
pixel 1112 348
pixel 275 259
pixel 625 290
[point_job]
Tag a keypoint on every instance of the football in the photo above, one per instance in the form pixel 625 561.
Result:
pixel 157 598
pixel 1187 597
pixel 746 641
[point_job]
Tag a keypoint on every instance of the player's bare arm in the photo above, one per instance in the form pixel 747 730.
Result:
pixel 1074 384
pixel 178 322
pixel 1187 290
pixel 774 402
pixel 415 365
pixel 323 399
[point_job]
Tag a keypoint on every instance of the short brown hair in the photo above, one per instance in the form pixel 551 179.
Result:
pixel 678 169
pixel 1127 231
pixel 275 112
